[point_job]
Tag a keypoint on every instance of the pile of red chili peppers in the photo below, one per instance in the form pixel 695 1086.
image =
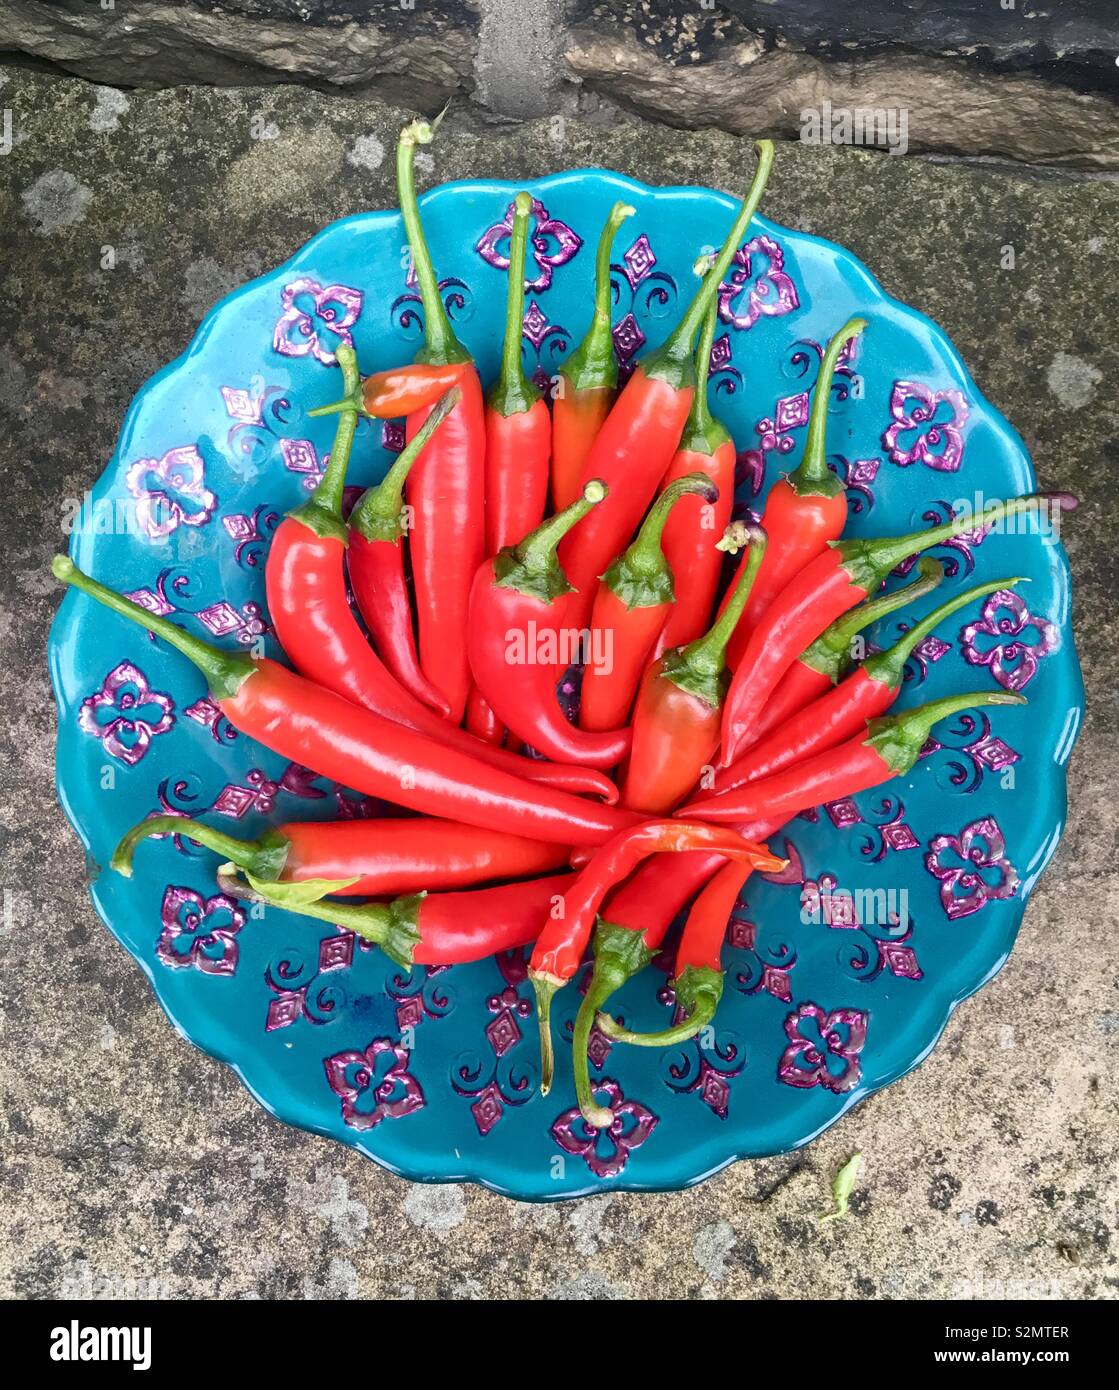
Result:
pixel 516 539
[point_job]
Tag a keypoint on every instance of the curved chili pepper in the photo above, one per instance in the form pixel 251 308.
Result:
pixel 588 379
pixel 359 749
pixel 481 720
pixel 397 391
pixel 689 537
pixel 843 575
pixel 563 939
pixel 638 439
pixel 823 661
pixel 375 858
pixel 803 511
pixel 518 426
pixel 677 713
pixel 446 488
pixel 376 564
pixel 307 602
pixel 845 708
pixel 890 747
pixel 635 596
pixel 698 975
pixel 517 622
pixel 425 928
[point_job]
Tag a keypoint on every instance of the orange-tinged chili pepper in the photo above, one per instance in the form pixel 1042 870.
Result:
pixel 588 380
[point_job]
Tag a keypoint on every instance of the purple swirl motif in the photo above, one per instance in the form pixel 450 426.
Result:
pixel 858 477
pixel 876 946
pixel 500 1080
pixel 606 1151
pixel 126 713
pixel 170 491
pixel 374 1085
pixel 759 274
pixel 1013 663
pixel 643 293
pixel 552 242
pixel 959 861
pixel 759 969
pixel 199 932
pixel 983 750
pixel 250 533
pixel 419 993
pixel 316 319
pixel 917 435
pixel 706 1064
pixel 547 339
pixel 298 990
pixel 823 1048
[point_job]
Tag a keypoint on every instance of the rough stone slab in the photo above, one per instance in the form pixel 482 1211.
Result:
pixel 129 1159
pixel 694 71
pixel 423 55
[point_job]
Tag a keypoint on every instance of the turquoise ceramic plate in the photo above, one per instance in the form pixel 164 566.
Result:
pixel 434 1073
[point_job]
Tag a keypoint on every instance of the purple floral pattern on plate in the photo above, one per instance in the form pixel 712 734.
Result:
pixel 923 432
pixel 552 244
pixel 823 1048
pixel 316 319
pixel 760 277
pixel 1013 663
pixel 959 862
pixel 126 713
pixel 606 1151
pixel 374 1085
pixel 199 932
pixel 170 491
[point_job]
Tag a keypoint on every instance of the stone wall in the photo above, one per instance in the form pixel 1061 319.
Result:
pixel 1011 79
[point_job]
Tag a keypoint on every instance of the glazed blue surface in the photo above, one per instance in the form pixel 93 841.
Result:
pixel 459 1102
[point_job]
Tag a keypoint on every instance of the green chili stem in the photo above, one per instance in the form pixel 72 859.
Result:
pixel 678 347
pixel 513 393
pixel 441 346
pixel 708 653
pixel 899 738
pixel 263 857
pixel 593 364
pixel 377 515
pixel 645 555
pixel 814 477
pixel 887 667
pixel 225 672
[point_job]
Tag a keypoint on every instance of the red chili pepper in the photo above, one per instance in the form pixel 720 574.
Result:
pixel 637 593
pixel 563 940
pixel 359 749
pixel 637 442
pixel 370 858
pixel 698 976
pixel 517 623
pixel 803 511
pixel 397 391
pixel 677 714
pixel 891 746
pixel 518 426
pixel 481 720
pixel 446 488
pixel 846 573
pixel 377 528
pixel 823 661
pixel 694 526
pixel 428 928
pixel 845 709
pixel 588 380
pixel 307 603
